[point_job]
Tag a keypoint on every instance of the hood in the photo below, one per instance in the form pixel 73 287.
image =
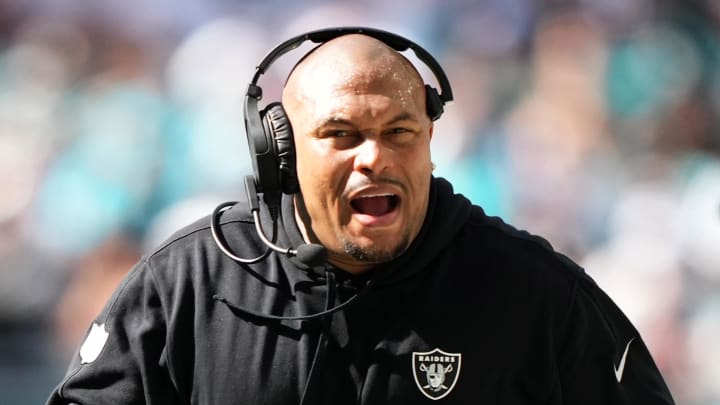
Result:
pixel 447 213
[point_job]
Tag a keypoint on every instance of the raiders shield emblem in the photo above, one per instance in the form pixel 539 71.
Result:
pixel 436 372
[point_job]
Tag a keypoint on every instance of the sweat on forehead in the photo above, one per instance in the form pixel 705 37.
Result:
pixel 356 61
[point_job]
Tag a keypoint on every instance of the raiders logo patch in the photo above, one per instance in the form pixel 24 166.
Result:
pixel 436 372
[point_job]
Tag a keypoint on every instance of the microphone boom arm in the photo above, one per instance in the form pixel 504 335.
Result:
pixel 255 210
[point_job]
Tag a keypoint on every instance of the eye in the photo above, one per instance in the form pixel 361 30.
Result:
pixel 339 138
pixel 339 133
pixel 400 135
pixel 331 133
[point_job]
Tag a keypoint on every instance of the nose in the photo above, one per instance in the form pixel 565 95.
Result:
pixel 371 157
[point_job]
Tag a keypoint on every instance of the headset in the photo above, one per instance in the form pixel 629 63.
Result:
pixel 269 131
pixel 272 151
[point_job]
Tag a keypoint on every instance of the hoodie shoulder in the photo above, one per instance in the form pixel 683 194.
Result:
pixel 193 252
pixel 237 213
pixel 528 251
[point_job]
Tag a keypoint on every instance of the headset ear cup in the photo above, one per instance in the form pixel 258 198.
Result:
pixel 433 103
pixel 277 123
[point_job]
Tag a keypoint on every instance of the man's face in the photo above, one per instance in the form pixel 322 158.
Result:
pixel 363 163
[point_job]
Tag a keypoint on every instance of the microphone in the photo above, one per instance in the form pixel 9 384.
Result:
pixel 311 254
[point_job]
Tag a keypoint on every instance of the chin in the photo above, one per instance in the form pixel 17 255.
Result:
pixel 374 252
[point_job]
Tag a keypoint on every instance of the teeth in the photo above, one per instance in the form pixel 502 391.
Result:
pixel 377 195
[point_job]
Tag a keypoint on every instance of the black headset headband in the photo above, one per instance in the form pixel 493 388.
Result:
pixel 395 41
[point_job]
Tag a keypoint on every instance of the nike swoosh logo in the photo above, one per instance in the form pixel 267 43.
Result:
pixel 621 367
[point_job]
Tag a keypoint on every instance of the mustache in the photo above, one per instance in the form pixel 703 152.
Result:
pixel 365 182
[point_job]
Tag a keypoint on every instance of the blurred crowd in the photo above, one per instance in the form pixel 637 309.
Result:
pixel 594 123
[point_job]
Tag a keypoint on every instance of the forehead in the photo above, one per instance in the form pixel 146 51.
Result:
pixel 352 63
pixel 340 76
pixel 326 85
pixel 362 105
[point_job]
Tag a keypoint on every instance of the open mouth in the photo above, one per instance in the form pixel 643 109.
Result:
pixel 375 205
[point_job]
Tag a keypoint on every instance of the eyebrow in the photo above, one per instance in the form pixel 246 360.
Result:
pixel 400 117
pixel 403 116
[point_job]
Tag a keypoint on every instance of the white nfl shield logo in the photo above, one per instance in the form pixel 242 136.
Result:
pixel 436 372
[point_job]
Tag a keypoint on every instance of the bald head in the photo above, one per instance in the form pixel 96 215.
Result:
pixel 356 63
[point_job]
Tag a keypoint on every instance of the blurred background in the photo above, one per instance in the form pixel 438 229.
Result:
pixel 594 123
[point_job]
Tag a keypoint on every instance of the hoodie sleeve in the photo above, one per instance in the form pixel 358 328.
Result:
pixel 603 359
pixel 122 358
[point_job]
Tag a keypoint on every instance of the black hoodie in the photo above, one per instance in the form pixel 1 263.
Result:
pixel 473 312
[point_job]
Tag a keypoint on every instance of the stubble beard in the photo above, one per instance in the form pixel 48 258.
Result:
pixel 374 254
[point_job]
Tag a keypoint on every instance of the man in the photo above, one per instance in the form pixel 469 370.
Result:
pixel 422 298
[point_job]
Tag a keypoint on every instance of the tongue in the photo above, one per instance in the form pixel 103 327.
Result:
pixel 375 206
